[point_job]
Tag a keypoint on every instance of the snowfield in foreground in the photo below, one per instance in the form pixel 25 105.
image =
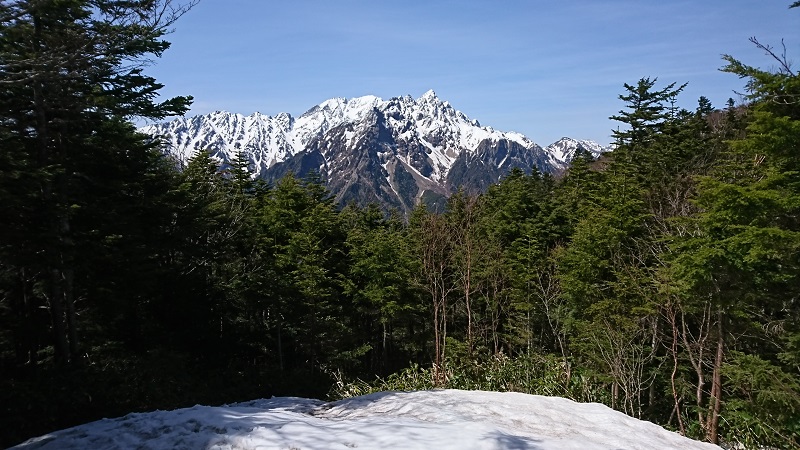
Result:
pixel 443 419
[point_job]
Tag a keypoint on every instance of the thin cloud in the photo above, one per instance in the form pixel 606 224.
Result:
pixel 534 67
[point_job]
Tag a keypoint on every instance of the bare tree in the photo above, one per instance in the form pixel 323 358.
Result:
pixel 436 278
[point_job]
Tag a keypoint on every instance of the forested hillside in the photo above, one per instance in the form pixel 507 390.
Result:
pixel 661 279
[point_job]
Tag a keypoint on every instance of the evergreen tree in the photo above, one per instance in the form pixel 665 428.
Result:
pixel 380 267
pixel 301 228
pixel 84 196
pixel 647 112
pixel 67 77
pixel 740 265
pixel 522 218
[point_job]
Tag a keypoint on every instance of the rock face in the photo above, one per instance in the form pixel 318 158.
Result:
pixel 394 152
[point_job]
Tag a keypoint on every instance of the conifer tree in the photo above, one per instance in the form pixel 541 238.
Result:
pixel 72 71
pixel 85 203
pixel 646 113
pixel 741 264
pixel 380 267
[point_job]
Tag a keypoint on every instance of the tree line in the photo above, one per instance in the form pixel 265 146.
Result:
pixel 661 279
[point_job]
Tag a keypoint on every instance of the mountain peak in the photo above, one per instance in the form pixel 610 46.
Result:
pixel 397 151
pixel 429 95
pixel 564 149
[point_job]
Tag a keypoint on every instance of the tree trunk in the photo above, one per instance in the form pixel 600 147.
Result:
pixel 62 305
pixel 56 297
pixel 61 349
pixel 716 386
pixel 467 288
pixel 672 315
pixel 26 330
pixel 384 349
pixel 72 316
pixel 69 288
pixel 280 344
pixel 444 323
pixel 436 349
pixel 697 360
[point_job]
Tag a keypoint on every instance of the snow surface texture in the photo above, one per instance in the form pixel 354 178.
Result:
pixel 444 131
pixel 442 419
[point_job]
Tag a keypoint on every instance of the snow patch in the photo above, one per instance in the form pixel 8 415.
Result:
pixel 442 419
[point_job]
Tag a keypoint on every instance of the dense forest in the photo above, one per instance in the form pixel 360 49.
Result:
pixel 662 279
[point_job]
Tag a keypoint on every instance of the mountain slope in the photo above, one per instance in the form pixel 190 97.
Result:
pixel 564 149
pixel 393 152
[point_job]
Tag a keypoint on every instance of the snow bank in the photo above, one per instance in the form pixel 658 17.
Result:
pixel 442 419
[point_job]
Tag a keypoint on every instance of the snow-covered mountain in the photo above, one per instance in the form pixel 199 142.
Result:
pixel 564 149
pixel 394 152
pixel 444 419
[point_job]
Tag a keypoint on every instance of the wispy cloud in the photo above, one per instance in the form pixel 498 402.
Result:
pixel 540 68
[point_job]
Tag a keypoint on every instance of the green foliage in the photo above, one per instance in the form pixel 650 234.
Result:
pixel 765 408
pixel 647 112
pixel 537 375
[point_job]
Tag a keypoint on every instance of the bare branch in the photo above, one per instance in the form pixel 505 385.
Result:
pixel 784 63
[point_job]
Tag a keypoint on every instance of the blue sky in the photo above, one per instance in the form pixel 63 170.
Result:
pixel 546 69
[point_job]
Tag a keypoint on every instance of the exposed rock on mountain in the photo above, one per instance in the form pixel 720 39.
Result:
pixel 394 152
